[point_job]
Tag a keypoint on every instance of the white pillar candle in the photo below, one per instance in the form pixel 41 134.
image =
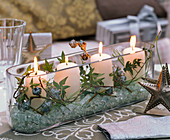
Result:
pixel 35 76
pixel 103 67
pixel 73 75
pixel 134 53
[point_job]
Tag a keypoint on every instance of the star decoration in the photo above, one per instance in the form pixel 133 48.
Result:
pixel 159 90
pixel 28 55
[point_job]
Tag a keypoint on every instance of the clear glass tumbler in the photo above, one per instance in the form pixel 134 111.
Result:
pixel 11 37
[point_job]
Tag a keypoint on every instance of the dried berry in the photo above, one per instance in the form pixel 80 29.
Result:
pixel 109 90
pixel 46 106
pixel 73 43
pixel 26 105
pixel 118 76
pixel 55 92
pixel 84 57
pixel 36 91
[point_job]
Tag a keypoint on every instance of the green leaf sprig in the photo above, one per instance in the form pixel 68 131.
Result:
pixel 62 59
pixel 29 70
pixel 61 86
pixel 47 66
pixel 120 58
pixel 90 78
pixel 33 85
pixel 132 66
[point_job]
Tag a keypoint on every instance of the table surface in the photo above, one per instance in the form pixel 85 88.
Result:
pixel 82 129
pixel 78 130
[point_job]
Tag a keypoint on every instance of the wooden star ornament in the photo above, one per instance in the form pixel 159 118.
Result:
pixel 159 90
pixel 27 56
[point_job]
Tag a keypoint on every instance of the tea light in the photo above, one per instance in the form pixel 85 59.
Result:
pixel 103 67
pixel 35 76
pixel 134 54
pixel 73 75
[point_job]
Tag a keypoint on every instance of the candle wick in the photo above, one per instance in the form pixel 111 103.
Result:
pixel 132 48
pixel 66 63
pixel 36 73
pixel 100 54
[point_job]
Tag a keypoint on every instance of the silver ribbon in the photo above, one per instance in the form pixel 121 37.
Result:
pixel 145 14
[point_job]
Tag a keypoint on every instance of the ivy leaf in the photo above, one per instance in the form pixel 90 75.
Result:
pixel 131 66
pixel 47 67
pixel 82 71
pixel 65 87
pixel 62 82
pixel 29 69
pixel 62 59
pixel 33 85
pixel 134 66
pixel 31 81
pixel 21 98
pixel 100 81
pixel 91 71
pixel 19 80
pixel 90 78
pixel 138 61
pixel 56 85
pixel 63 93
pixel 60 86
pixel 131 71
pixel 63 56
pixel 22 95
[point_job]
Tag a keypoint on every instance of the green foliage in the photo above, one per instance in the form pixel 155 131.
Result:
pixel 90 78
pixel 19 81
pixel 22 95
pixel 156 44
pixel 117 77
pixel 116 53
pixel 131 66
pixel 61 86
pixel 47 67
pixel 29 69
pixel 93 82
pixel 62 59
pixel 33 85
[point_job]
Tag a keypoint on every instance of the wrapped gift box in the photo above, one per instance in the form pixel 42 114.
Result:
pixel 117 30
pixel 41 40
pixel 145 26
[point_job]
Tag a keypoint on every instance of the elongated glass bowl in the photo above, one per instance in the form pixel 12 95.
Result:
pixel 49 99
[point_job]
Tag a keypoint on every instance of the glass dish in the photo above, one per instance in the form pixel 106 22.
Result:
pixel 44 104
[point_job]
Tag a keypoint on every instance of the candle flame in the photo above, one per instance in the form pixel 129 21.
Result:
pixel 133 42
pixel 35 65
pixel 66 59
pixel 100 48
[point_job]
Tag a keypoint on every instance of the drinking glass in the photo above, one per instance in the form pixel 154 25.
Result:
pixel 11 37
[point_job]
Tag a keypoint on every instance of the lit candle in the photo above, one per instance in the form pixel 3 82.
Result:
pixel 103 67
pixel 134 54
pixel 36 102
pixel 73 75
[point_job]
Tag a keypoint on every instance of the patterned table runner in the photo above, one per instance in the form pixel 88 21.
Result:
pixel 78 130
